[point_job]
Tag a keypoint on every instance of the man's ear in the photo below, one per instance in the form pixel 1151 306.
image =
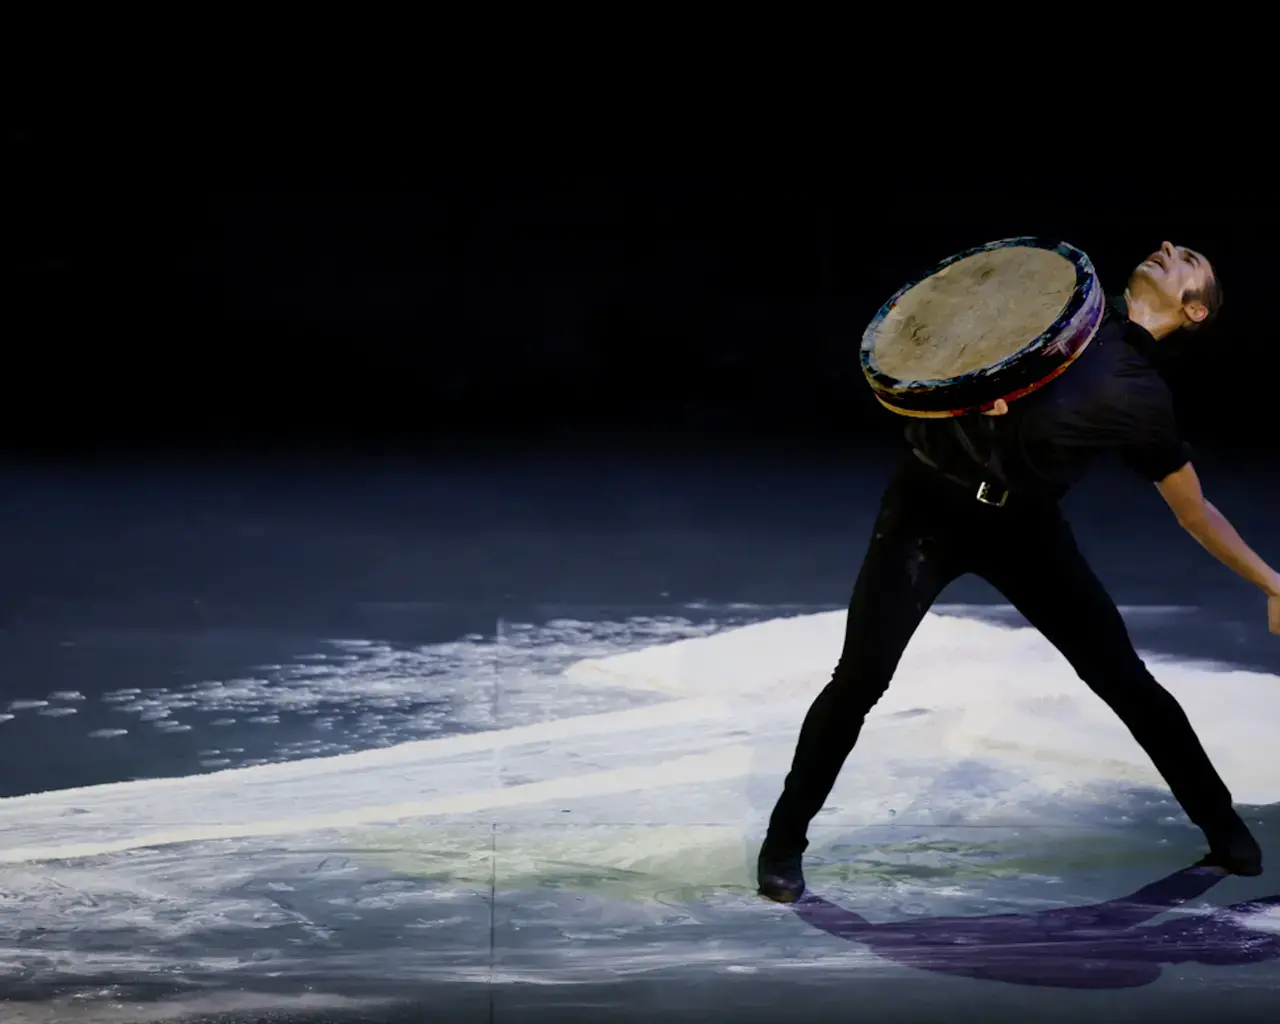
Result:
pixel 1195 311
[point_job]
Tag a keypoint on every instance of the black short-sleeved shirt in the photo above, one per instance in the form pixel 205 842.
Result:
pixel 1112 399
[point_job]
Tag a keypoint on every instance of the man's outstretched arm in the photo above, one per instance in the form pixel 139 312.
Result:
pixel 1181 491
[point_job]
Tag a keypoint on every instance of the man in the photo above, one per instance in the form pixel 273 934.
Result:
pixel 981 496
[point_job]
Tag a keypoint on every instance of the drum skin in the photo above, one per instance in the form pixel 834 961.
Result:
pixel 1039 360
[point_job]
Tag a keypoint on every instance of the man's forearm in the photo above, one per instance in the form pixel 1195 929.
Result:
pixel 1217 536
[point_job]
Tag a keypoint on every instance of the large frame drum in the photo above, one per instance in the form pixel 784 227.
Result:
pixel 996 321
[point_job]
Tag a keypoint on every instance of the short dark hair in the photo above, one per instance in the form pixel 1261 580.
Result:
pixel 1210 293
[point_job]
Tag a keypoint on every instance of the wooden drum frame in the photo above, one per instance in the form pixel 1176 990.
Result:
pixel 993 322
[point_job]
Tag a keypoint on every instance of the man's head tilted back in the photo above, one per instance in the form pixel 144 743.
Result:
pixel 1175 288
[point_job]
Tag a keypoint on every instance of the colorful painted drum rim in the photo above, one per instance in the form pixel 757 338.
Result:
pixel 1031 367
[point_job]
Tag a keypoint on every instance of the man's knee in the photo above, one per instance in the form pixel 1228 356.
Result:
pixel 1114 667
pixel 1123 680
pixel 858 683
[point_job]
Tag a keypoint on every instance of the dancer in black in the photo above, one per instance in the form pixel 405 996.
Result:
pixel 980 495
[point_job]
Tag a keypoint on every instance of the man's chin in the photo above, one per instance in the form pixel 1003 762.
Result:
pixel 1142 277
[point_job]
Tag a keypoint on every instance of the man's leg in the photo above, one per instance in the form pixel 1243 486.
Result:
pixel 906 566
pixel 1042 572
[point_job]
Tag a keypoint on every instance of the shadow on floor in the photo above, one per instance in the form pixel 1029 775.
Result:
pixel 1090 947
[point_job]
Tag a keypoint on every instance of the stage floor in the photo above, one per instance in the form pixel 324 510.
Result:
pixel 393 743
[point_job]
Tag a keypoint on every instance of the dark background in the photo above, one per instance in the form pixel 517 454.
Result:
pixel 194 283
pixel 204 282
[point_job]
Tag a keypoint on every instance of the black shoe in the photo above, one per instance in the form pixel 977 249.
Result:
pixel 780 875
pixel 1235 851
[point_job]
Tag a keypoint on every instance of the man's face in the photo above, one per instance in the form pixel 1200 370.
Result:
pixel 1164 277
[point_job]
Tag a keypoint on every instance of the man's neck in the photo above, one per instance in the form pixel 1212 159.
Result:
pixel 1158 325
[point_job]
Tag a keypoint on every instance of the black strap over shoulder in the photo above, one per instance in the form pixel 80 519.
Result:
pixel 989 455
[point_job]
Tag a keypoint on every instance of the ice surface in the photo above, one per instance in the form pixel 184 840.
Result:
pixel 264 873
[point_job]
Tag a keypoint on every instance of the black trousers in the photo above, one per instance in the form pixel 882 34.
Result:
pixel 928 532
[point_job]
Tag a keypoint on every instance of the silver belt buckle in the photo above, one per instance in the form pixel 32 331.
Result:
pixel 984 495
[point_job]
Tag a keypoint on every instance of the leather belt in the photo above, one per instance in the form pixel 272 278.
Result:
pixel 984 491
